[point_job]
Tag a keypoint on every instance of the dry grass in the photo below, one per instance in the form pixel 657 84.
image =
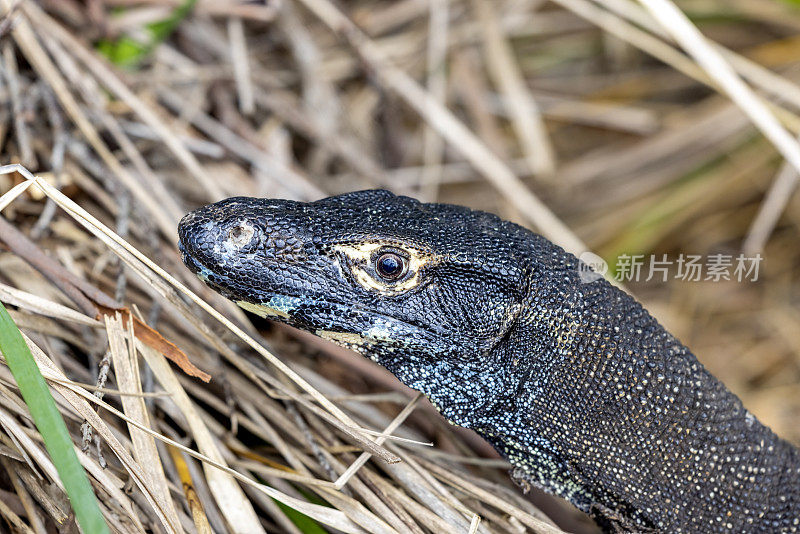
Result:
pixel 583 119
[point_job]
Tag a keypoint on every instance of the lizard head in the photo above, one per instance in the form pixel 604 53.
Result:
pixel 429 291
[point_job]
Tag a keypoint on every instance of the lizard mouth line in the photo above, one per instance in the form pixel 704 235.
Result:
pixel 326 317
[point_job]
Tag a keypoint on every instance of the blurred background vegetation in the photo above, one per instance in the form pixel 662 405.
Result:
pixel 581 119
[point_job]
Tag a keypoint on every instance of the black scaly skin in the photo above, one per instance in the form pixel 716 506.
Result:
pixel 575 383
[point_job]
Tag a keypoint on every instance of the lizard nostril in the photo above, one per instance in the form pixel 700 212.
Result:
pixel 240 234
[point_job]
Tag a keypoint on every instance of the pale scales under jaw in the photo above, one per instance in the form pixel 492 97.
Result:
pixel 281 307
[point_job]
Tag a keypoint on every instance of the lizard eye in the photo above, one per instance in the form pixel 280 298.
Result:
pixel 390 266
pixel 388 270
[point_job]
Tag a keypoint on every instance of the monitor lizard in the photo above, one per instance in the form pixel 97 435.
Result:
pixel 575 383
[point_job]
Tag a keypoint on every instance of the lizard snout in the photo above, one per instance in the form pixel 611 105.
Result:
pixel 212 234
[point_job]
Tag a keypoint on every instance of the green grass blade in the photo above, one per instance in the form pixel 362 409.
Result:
pixel 127 52
pixel 51 426
pixel 305 524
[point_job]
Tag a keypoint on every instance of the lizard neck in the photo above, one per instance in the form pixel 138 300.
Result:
pixel 607 409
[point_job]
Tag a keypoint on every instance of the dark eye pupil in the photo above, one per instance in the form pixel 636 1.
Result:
pixel 390 265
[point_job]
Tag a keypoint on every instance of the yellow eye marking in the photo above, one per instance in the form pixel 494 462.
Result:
pixel 262 310
pixel 362 254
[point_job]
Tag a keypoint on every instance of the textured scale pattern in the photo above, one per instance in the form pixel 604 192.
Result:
pixel 575 383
